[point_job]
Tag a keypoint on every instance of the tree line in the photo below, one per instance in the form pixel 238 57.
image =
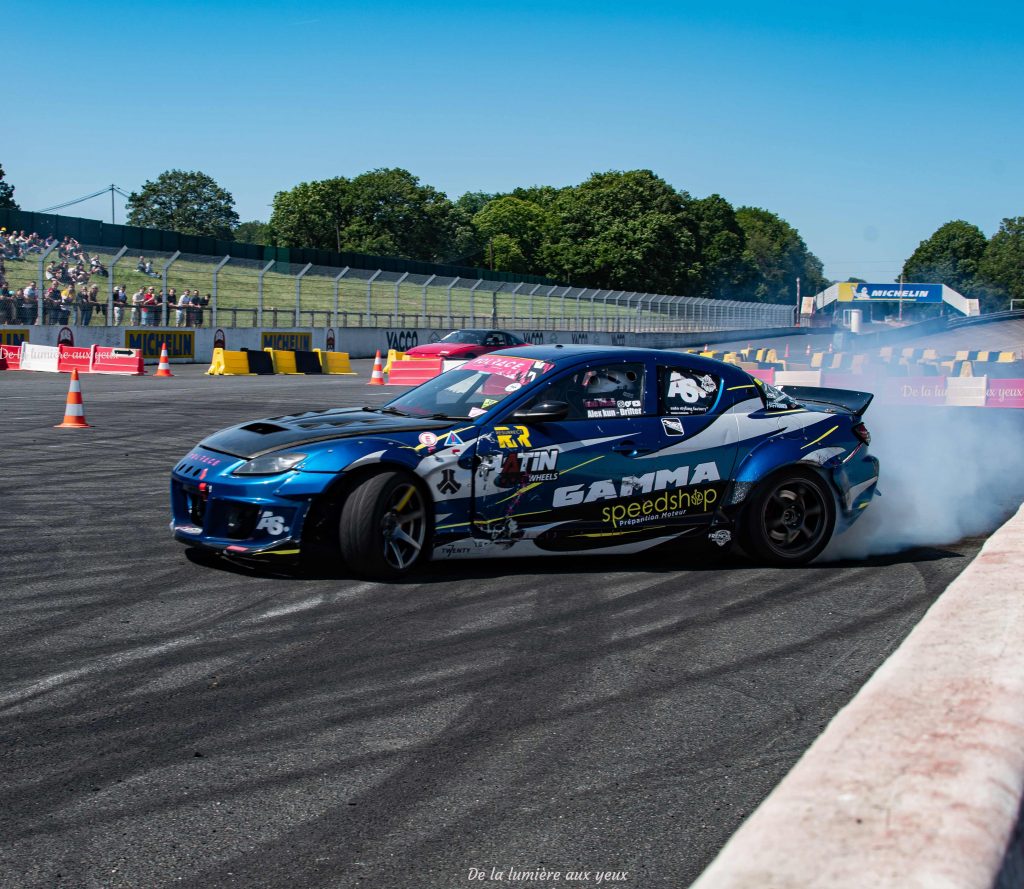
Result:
pixel 960 256
pixel 616 230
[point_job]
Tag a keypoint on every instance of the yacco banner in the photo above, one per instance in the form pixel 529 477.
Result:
pixel 850 291
pixel 13 336
pixel 287 342
pixel 180 343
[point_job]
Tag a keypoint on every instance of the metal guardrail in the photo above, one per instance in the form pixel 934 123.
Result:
pixel 250 293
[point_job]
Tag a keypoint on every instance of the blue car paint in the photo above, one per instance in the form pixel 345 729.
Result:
pixel 600 503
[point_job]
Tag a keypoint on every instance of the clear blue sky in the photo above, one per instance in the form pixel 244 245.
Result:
pixel 866 125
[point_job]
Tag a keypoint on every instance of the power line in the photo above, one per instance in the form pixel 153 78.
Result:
pixel 88 197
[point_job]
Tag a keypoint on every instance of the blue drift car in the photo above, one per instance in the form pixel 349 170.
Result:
pixel 539 450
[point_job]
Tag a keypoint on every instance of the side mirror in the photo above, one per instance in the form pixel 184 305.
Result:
pixel 544 412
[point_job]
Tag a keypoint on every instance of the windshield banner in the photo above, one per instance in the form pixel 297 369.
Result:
pixel 522 370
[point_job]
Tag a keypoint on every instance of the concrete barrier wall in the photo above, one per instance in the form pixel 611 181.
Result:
pixel 918 782
pixel 196 344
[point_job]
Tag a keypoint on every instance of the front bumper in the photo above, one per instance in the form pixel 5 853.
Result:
pixel 235 516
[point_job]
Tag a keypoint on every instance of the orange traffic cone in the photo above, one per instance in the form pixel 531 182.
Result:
pixel 787 351
pixel 830 348
pixel 164 368
pixel 377 377
pixel 808 352
pixel 74 413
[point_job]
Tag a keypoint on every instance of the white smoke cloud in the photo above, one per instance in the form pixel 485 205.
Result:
pixel 946 473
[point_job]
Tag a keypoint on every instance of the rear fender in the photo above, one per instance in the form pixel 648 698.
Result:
pixel 774 454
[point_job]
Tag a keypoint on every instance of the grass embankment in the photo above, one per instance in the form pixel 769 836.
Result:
pixel 237 289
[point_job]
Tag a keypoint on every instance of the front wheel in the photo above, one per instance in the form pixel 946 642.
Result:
pixel 790 518
pixel 384 528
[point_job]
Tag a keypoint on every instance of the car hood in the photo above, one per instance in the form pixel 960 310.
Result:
pixel 428 349
pixel 258 437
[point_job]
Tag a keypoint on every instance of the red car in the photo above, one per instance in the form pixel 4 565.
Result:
pixel 466 344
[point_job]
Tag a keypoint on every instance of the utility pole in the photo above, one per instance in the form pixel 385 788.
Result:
pixel 112 203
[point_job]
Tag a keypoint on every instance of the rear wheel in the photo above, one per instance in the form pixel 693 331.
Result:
pixel 384 528
pixel 790 518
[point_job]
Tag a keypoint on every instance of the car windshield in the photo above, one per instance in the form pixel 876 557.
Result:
pixel 470 337
pixel 472 389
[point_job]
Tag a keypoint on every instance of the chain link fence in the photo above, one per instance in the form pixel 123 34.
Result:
pixel 248 293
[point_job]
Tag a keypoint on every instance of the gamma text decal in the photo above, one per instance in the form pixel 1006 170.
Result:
pixel 643 499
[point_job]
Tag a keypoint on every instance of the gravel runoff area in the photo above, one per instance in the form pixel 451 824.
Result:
pixel 168 720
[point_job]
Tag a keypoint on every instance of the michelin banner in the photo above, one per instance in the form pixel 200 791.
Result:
pixel 912 293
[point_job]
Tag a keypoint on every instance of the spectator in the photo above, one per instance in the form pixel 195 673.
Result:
pixel 149 303
pixel 29 304
pixel 51 300
pixel 189 306
pixel 9 249
pixel 140 266
pixel 149 268
pixel 22 308
pixel 8 307
pixel 119 300
pixel 199 303
pixel 97 268
pixel 83 307
pixel 137 299
pixel 64 307
pixel 94 304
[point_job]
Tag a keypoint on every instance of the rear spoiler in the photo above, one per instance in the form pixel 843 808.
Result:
pixel 846 399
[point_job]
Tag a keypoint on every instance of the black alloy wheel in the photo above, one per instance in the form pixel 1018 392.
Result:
pixel 385 528
pixel 790 518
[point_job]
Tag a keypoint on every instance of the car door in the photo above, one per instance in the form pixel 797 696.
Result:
pixel 693 450
pixel 553 482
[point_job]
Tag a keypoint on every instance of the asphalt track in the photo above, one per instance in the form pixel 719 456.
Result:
pixel 168 721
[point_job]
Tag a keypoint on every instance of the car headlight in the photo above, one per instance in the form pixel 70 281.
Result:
pixel 270 464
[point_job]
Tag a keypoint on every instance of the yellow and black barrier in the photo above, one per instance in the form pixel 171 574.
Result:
pixel 260 362
pixel 335 362
pixel 229 363
pixel 279 361
pixel 393 356
pixel 283 359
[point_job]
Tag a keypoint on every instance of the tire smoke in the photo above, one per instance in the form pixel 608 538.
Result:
pixel 946 474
